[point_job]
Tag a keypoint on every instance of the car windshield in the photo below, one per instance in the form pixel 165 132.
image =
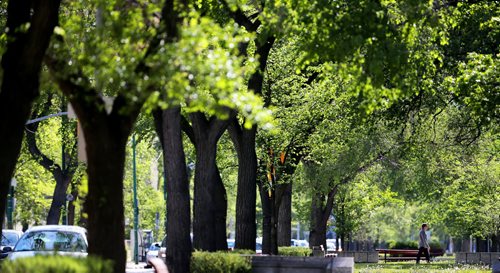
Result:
pixel 52 241
pixel 9 238
pixel 154 247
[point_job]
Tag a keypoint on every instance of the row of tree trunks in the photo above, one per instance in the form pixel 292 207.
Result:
pixel 21 64
pixel 168 128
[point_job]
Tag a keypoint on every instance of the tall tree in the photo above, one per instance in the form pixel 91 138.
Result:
pixel 244 137
pixel 168 127
pixel 106 129
pixel 30 25
pixel 210 200
pixel 62 173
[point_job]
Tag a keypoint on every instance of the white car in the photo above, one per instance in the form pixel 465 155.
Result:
pixel 331 245
pixel 50 240
pixel 299 243
pixel 152 252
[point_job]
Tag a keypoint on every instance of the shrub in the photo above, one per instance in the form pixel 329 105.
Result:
pixel 294 251
pixel 436 245
pixel 220 262
pixel 403 245
pixel 57 264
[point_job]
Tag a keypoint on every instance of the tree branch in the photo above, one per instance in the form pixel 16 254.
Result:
pixel 240 18
pixel 31 130
pixel 188 129
pixel 218 126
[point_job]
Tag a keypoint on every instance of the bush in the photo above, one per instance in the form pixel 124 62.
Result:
pixel 294 251
pixel 243 251
pixel 403 245
pixel 220 262
pixel 57 264
pixel 436 245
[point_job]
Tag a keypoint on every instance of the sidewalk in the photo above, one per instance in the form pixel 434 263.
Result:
pixel 137 268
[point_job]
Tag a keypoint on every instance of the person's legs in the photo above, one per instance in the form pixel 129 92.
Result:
pixel 427 255
pixel 420 252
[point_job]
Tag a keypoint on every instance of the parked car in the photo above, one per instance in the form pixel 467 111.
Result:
pixel 152 252
pixel 299 243
pixel 9 240
pixel 61 240
pixel 331 245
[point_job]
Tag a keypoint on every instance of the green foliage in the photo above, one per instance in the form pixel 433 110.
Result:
pixel 219 262
pixel 295 251
pixel 402 244
pixel 57 264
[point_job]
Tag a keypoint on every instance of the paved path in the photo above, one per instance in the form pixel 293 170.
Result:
pixel 138 268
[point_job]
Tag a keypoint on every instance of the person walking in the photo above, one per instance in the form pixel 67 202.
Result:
pixel 423 244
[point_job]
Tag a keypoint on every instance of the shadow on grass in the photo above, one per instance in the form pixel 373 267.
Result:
pixel 411 267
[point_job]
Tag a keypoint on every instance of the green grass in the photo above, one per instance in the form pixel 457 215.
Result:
pixel 411 267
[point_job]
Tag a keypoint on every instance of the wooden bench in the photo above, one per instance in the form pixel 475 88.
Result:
pixel 403 254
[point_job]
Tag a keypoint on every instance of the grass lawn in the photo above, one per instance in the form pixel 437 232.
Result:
pixel 411 267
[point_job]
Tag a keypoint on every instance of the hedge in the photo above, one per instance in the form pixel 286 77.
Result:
pixel 294 251
pixel 220 262
pixel 56 264
pixel 402 245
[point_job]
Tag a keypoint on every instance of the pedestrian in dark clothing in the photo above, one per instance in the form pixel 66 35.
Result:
pixel 423 245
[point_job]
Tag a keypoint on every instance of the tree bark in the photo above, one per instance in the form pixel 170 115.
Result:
pixel 244 143
pixel 168 127
pixel 21 65
pixel 285 217
pixel 210 200
pixel 106 140
pixel 58 199
pixel 317 233
pixel 266 219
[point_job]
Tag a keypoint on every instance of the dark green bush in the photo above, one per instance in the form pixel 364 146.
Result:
pixel 435 245
pixel 220 262
pixel 403 245
pixel 294 251
pixel 56 264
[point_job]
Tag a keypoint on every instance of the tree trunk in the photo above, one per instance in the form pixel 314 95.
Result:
pixel 266 219
pixel 21 65
pixel 58 199
pixel 71 206
pixel 220 213
pixel 105 146
pixel 317 233
pixel 168 127
pixel 244 143
pixel 285 216
pixel 210 202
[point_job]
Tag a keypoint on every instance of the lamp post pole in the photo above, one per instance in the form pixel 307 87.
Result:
pixel 136 209
pixel 10 205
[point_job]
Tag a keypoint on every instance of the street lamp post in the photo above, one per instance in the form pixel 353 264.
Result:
pixel 136 209
pixel 10 204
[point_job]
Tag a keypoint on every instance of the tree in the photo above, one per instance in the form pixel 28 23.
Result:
pixel 168 126
pixel 62 173
pixel 106 131
pixel 243 136
pixel 30 27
